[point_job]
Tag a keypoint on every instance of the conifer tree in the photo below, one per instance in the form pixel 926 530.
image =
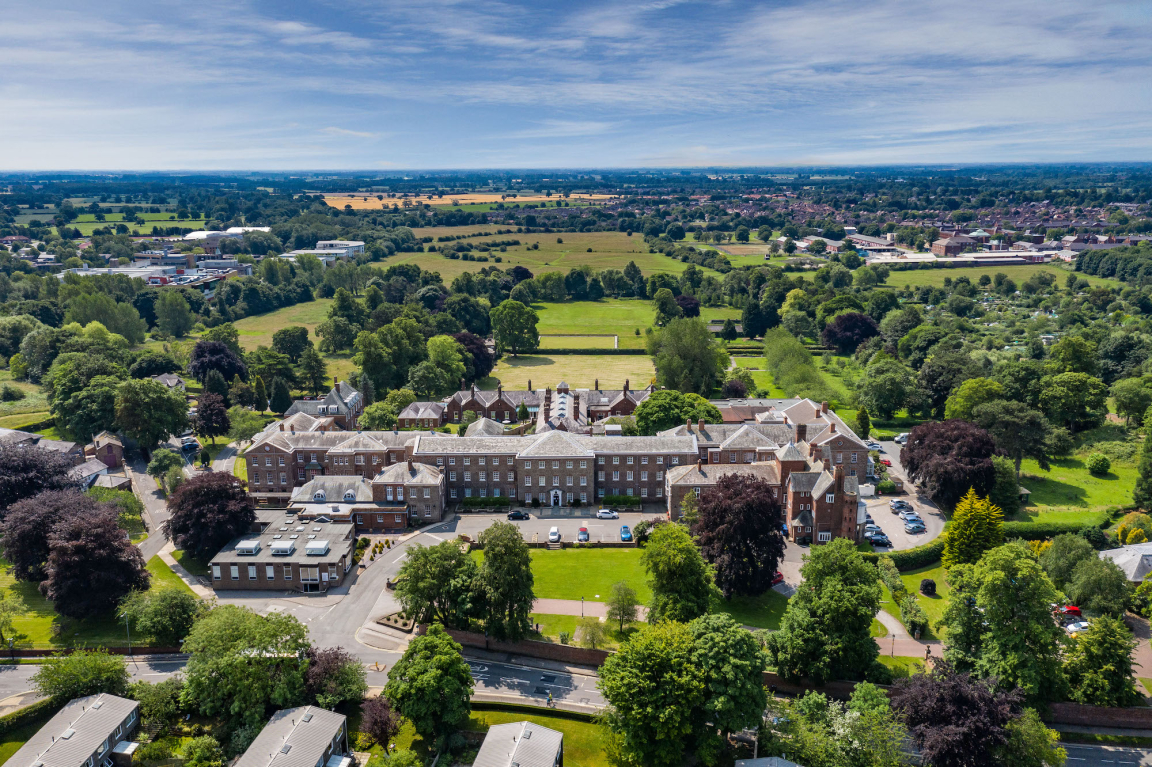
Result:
pixel 1142 494
pixel 977 526
pixel 863 423
pixel 261 395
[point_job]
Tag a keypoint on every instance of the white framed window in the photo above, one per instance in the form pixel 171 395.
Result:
pixel 527 497
pixel 568 481
pixel 568 464
pixel 269 572
pixel 379 519
pixel 360 517
pixel 359 460
pixel 583 464
pixel 615 460
pixel 283 478
pixel 600 460
pixel 215 572
pixel 251 572
pixel 600 476
pixel 467 492
pixel 824 537
pixel 659 460
pixel 451 476
pixel 600 492
pixel 583 481
pixel 495 492
pixel 234 571
pixel 527 481
pixel 527 464
pixel 555 480
pixel 629 491
pixel 659 476
pixel 483 476
pixel 452 492
pixel 630 459
pixel 583 497
pixel 541 464
pixel 451 461
pixel 659 492
pixel 675 460
pixel 615 476
pixel 287 572
pixel 697 491
pixel 542 481
pixel 281 461
pixel 853 458
pixel 629 476
pixel 643 476
pixel 830 498
pixel 467 461
pixel 480 461
pixel 643 492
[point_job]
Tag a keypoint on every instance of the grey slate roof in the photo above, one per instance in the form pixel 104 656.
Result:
pixel 519 743
pixel 717 433
pixel 92 718
pixel 484 427
pixel 1135 560
pixel 334 487
pixel 710 474
pixel 306 741
pixel 423 410
pixel 419 474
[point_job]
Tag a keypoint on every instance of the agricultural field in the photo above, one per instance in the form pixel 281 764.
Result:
pixel 1019 274
pixel 370 201
pixel 580 371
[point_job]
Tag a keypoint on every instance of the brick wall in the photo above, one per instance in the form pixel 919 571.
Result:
pixel 1099 716
pixel 546 650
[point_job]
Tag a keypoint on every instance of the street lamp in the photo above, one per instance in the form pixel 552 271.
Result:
pixel 581 607
pixel 129 632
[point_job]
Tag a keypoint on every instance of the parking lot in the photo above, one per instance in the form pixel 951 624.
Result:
pixel 536 528
pixel 889 522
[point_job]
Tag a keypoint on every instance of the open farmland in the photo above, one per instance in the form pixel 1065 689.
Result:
pixel 370 201
pixel 1018 273
pixel 621 317
pixel 580 371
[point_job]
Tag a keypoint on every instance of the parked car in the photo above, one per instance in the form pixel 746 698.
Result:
pixel 874 446
pixel 554 535
pixel 899 502
pixel 518 514
pixel 607 514
pixel 1075 628
pixel 886 461
pixel 907 514
pixel 880 540
pixel 582 535
pixel 625 533
pixel 1070 611
pixel 914 526
pixel 778 578
pixel 189 443
pixel 901 439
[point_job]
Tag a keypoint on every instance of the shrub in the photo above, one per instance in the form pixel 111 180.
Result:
pixel 153 752
pixel 913 616
pixel 1098 464
pixel 928 587
pixel 1038 531
pixel 921 556
pixel 620 500
pixel 890 575
pixel 10 393
pixel 1097 537
pixel 886 486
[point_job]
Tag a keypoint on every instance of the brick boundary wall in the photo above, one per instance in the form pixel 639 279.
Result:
pixel 545 650
pixel 1136 718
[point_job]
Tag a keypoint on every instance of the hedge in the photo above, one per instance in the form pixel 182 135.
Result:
pixel 547 352
pixel 620 500
pixel 484 503
pixel 921 556
pixel 1039 531
pixel 40 710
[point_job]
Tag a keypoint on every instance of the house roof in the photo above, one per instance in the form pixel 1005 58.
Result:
pixel 523 744
pixel 1135 560
pixel 91 719
pixel 710 474
pixel 106 438
pixel 484 427
pixel 423 410
pixel 414 474
pixel 334 488
pixel 293 737
pixel 555 443
pixel 113 481
pixel 171 380
pixel 88 469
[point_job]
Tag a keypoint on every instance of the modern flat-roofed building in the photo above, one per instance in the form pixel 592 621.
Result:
pixel 300 737
pixel 92 731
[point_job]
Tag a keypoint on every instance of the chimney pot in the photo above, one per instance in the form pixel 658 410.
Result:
pixel 625 384
pixel 832 426
pixel 409 464
pixel 597 384
pixel 823 407
pixel 688 424
pixel 335 380
pixel 281 426
pixel 700 424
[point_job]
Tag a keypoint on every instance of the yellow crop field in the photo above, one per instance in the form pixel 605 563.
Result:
pixel 369 202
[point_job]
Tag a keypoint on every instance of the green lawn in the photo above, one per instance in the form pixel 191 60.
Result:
pixel 583 741
pixel 1019 274
pixel 42 627
pixel 31 409
pixel 240 466
pixel 190 563
pixel 577 342
pixel 163 577
pixel 12 740
pixel 761 377
pixel 552 625
pixel 1070 493
pixel 577 370
pixel 763 612
pixel 903 666
pixel 622 317
pixel 933 606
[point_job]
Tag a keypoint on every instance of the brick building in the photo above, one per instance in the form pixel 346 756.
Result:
pixel 343 404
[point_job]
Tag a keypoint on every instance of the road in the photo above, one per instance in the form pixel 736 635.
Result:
pixel 1106 756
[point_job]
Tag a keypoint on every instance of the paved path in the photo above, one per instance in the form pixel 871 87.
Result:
pixel 191 580
pixel 586 608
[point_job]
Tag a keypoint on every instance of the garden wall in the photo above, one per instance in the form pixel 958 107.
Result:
pixel 563 653
pixel 1100 716
pixel 141 650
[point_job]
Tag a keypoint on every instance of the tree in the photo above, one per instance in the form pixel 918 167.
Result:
pixel 667 409
pixel 622 604
pixel 445 366
pixel 1073 354
pixel 216 355
pixel 206 512
pixel 468 312
pixel 166 615
pixel 212 417
pixel 847 331
pixel 91 564
pixel 30 521
pixel 680 579
pixel 1005 492
pixel 245 424
pixel 505 579
pixel 431 685
pixel 977 526
pixel 379 721
pixel 241 662
pixel 739 533
pixel 477 359
pixel 818 731
pixel 334 675
pixel 160 702
pixel 12 606
pixel 885 386
pixel 90 410
pixel 241 394
pixel 149 412
pixel 435 584
pixel 203 751
pixel 291 341
pixel 214 383
pixel 269 365
pixel 261 394
pixel 1099 585
pixel 281 397
pixel 728 332
pixel 1098 664
pixel 592 633
pixel 336 334
pixel 227 334
pixel 1132 398
pixel 955 720
pixel 313 371
pixel 1061 558
pixel 732 663
pixel 825 632
pixel 947 459
pixel 970 395
pixel 377 417
pixel 173 314
pixel 514 328
pixel 863 423
pixel 1075 399
pixel 754 321
pixel 164 460
pixel 688 357
pixel 65 677
pixel 1031 744
pixel 1018 430
pixel 666 307
pixel 656 692
pixel 25 471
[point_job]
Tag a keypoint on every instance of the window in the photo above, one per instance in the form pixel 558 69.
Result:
pixel 830 498
pixel 480 461
pixel 495 492
pixel 379 519
pixel 583 464
pixel 630 459
pixel 659 476
pixel 643 492
pixel 300 475
pixel 583 481
pixel 452 492
pixel 615 476
pixel 675 460
pixel 313 458
pixel 824 537
pixel 268 460
pixel 452 476
pixel 643 476
pixel 299 458
pixel 568 464
pixel 467 461
pixel 283 478
pixel 629 476
pixel 483 492
pixel 615 460
pixel 527 481
pixel 439 461
pixel 600 460
pixel 600 476
pixel 376 460
pixel 235 572
pixel 555 480
pixel 629 491
pixel 332 572
pixel 569 481
pixel 541 464
pixel 731 457
pixel 215 572
pixel 451 461
pixel 359 460
pixel 359 519
pixel 251 572
pixel 399 493
pixel 287 572
pixel 527 497
pixel 256 478
pixel 659 492
pixel 659 460
pixel 542 481
pixel 527 464
pixel 697 491
pixel 839 458
pixel 467 492
pixel 496 476
pixel 483 476
pixel 600 492
pixel 853 458
pixel 555 464
pixel 569 497
pixel 281 463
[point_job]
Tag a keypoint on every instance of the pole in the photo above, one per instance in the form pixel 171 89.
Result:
pixel 581 607
pixel 129 632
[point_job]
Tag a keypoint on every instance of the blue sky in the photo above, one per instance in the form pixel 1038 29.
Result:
pixel 375 85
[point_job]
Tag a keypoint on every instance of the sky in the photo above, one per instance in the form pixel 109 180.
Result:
pixel 376 85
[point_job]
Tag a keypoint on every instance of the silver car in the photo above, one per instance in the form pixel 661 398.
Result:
pixel 607 514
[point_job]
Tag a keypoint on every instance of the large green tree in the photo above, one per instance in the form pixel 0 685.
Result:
pixel 680 579
pixel 149 412
pixel 1077 400
pixel 431 685
pixel 65 677
pixel 505 581
pixel 1017 429
pixel 667 408
pixel 1098 663
pixel 436 584
pixel 173 314
pixel 687 356
pixel 241 662
pixel 977 526
pixel 825 632
pixel 514 327
pixel 885 386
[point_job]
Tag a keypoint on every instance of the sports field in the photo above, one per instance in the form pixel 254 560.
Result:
pixel 578 342
pixel 436 199
pixel 580 371
pixel 1018 273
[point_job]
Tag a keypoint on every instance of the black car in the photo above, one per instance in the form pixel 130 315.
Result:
pixel 880 540
pixel 517 514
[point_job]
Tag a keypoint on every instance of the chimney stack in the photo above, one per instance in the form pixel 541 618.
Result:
pixel 688 424
pixel 625 385
pixel 529 384
pixel 335 380
pixel 832 426
pixel 462 385
pixel 801 432
pixel 500 390
pixel 409 464
pixel 281 426
pixel 700 424
pixel 823 407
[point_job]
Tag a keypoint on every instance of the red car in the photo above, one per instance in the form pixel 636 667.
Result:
pixel 777 578
pixel 886 461
pixel 1070 611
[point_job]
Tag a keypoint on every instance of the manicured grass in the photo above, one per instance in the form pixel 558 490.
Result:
pixel 933 606
pixel 878 629
pixel 1018 273
pixel 552 625
pixel 578 370
pixel 240 466
pixel 190 563
pixel 577 342
pixel 588 573
pixel 622 317
pixel 163 577
pixel 583 741
pixel 763 612
pixel 1070 493
pixel 761 377
pixel 258 329
pixel 1147 684
pixel 903 666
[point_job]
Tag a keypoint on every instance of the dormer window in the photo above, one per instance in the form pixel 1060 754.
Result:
pixel 350 496
pixel 318 496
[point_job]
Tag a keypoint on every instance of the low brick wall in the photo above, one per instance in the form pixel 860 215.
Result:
pixel 840 690
pixel 1100 716
pixel 577 656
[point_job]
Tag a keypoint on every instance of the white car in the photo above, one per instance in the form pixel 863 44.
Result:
pixel 901 438
pixel 874 446
pixel 1077 627
pixel 607 514
pixel 554 535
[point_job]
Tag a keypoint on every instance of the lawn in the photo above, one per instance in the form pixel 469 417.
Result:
pixel 42 627
pixel 761 377
pixel 1019 274
pixel 257 330
pixel 578 370
pixel 163 577
pixel 552 625
pixel 33 408
pixel 12 740
pixel 1070 493
pixel 583 741
pixel 577 342
pixel 622 317
pixel 933 606
pixel 903 666
pixel 240 466
pixel 190 563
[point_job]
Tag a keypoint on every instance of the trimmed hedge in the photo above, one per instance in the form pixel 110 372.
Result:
pixel 546 352
pixel 619 500
pixel 921 556
pixel 1039 531
pixel 40 710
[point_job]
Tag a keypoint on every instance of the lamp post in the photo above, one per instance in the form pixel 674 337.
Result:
pixel 128 631
pixel 581 607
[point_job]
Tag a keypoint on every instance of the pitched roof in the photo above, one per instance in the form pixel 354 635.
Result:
pixel 1135 560
pixel 334 487
pixel 555 443
pixel 710 474
pixel 91 719
pixel 523 744
pixel 419 474
pixel 423 410
pixel 484 427
pixel 293 737
pixel 746 437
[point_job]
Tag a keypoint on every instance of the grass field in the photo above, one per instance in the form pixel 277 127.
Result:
pixel 86 227
pixel 761 376
pixel 903 666
pixel 577 342
pixel 370 202
pixel 190 563
pixel 1070 493
pixel 577 370
pixel 257 330
pixel 42 627
pixel 933 606
pixel 1019 274
pixel 33 408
